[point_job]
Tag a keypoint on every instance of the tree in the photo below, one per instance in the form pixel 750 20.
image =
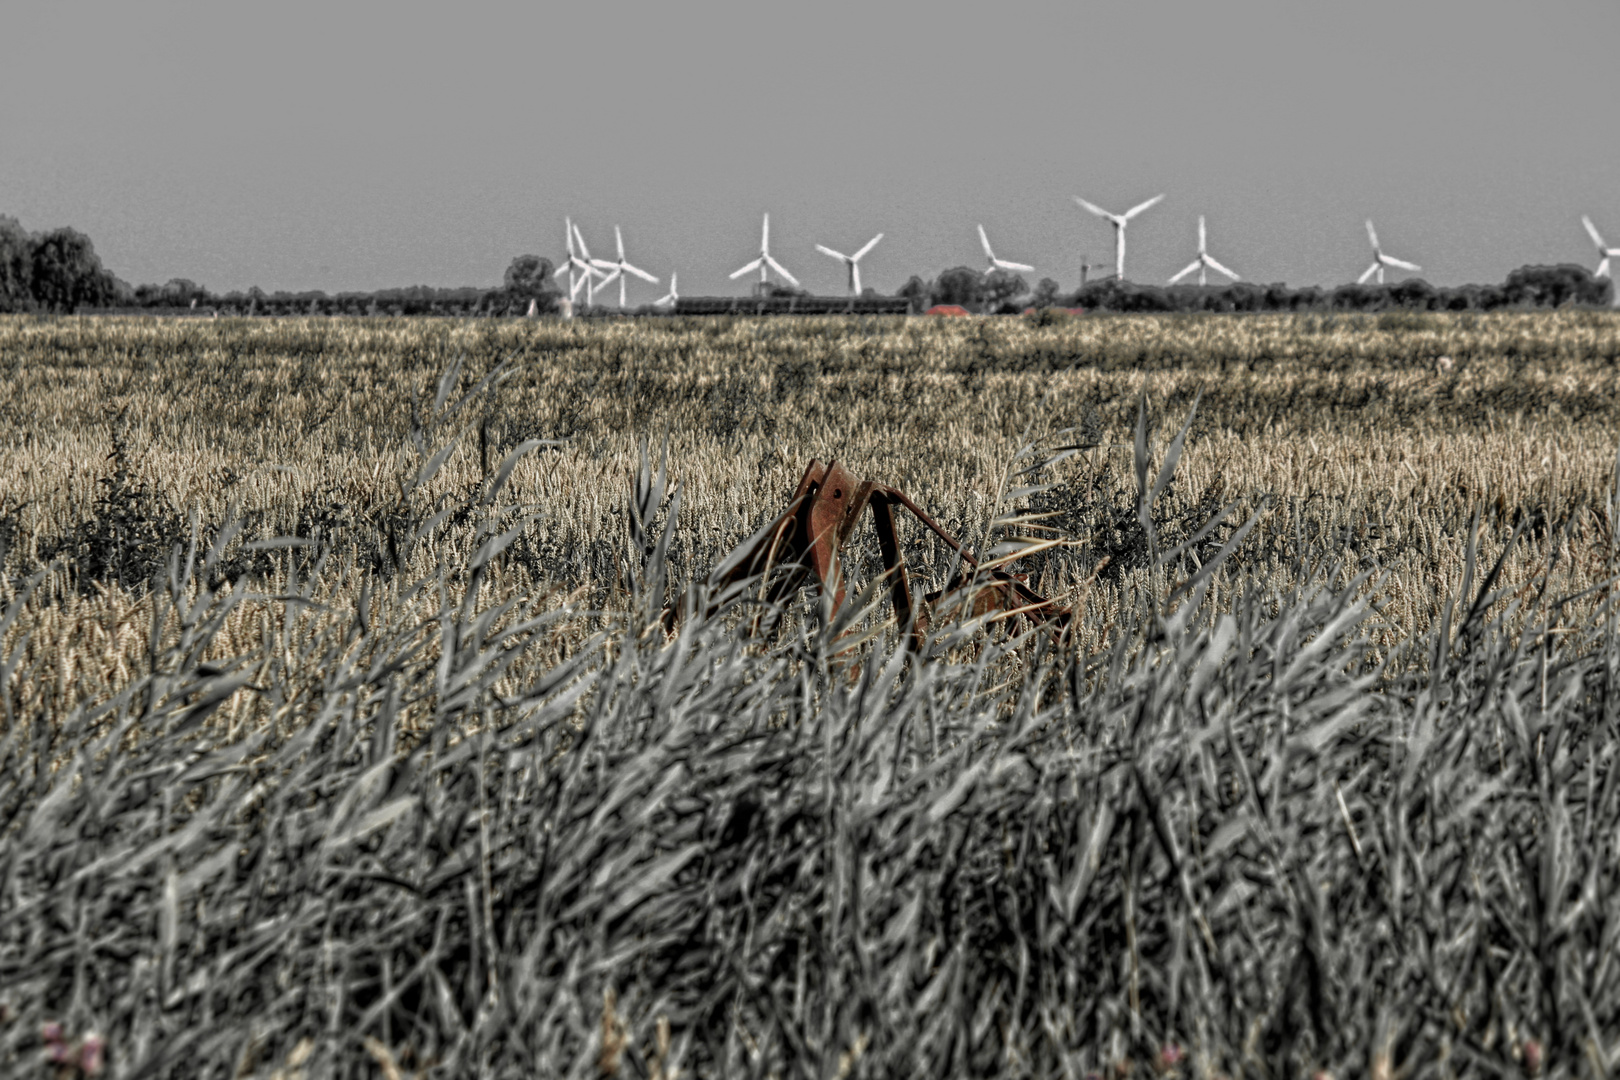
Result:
pixel 961 285
pixel 1046 294
pixel 16 266
pixel 180 292
pixel 67 273
pixel 529 276
pixel 917 291
pixel 1554 286
pixel 1414 293
pixel 1000 288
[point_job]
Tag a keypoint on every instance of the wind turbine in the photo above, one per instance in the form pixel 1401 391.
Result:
pixel 574 263
pixel 1380 260
pixel 584 259
pixel 852 261
pixel 1203 264
pixel 620 267
pixel 992 264
pixel 1120 221
pixel 1603 249
pixel 765 263
pixel 672 299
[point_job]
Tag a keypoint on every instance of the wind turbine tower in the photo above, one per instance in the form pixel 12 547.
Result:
pixel 1380 260
pixel 1119 222
pixel 621 268
pixel 1204 263
pixel 590 264
pixel 764 264
pixel 852 262
pixel 575 263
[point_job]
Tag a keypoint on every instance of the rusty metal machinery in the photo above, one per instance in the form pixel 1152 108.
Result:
pixel 808 537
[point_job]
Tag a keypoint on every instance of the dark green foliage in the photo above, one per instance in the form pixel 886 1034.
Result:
pixel 530 278
pixel 998 289
pixel 66 272
pixel 960 285
pixel 130 530
pixel 917 291
pixel 16 266
pixel 1555 286
pixel 1528 286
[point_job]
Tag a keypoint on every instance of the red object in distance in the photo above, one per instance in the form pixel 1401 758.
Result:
pixel 947 309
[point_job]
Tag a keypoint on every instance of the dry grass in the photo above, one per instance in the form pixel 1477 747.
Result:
pixel 1224 835
pixel 1341 430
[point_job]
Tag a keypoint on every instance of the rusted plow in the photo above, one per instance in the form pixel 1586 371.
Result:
pixel 807 540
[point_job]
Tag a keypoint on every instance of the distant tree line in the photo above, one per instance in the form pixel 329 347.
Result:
pixel 1528 286
pixel 59 271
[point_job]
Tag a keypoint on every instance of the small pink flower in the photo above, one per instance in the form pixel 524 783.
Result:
pixel 92 1054
pixel 1532 1055
pixel 1170 1056
pixel 51 1032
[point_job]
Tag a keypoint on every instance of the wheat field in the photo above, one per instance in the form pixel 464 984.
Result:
pixel 1344 433
pixel 341 733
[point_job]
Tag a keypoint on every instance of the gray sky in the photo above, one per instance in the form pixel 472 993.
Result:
pixel 336 145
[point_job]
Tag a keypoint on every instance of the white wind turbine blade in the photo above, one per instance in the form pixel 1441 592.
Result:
pixel 825 250
pixel 1094 208
pixel 1390 260
pixel 1213 265
pixel 579 242
pixel 1376 268
pixel 604 264
pixel 568 241
pixel 765 235
pixel 985 240
pixel 1603 267
pixel 1005 265
pixel 855 277
pixel 618 238
pixel 1133 211
pixel 1200 234
pixel 610 278
pixel 750 268
pixel 1591 230
pixel 778 268
pixel 642 274
pixel 870 244
pixel 573 290
pixel 1195 264
pixel 1372 235
pixel 671 297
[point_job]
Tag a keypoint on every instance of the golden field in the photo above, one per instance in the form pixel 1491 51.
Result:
pixel 1349 435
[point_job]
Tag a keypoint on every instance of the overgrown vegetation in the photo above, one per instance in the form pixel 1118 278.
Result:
pixel 424 787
